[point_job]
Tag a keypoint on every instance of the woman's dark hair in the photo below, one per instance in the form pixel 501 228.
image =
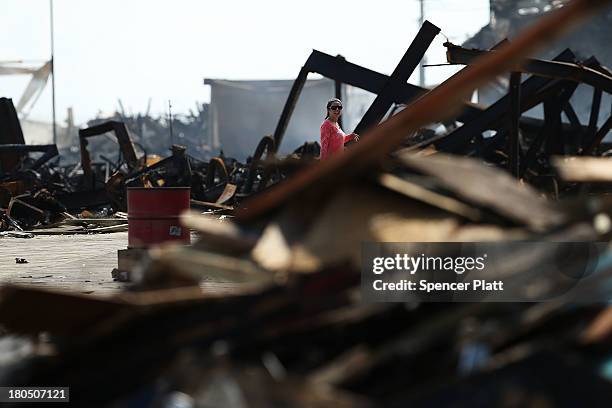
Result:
pixel 329 104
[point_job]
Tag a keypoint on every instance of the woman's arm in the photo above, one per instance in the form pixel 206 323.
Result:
pixel 326 140
pixel 352 136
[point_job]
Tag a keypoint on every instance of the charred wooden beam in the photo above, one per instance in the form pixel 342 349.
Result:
pixel 551 69
pixel 19 150
pixel 289 107
pixel 459 139
pixel 513 128
pixel 10 134
pixel 436 105
pixel 125 145
pixel 400 75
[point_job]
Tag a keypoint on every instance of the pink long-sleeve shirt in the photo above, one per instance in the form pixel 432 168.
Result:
pixel 332 139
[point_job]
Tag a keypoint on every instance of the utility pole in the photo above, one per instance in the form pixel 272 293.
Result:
pixel 170 123
pixel 423 60
pixel 52 72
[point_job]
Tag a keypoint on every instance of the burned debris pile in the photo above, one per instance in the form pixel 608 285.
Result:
pixel 38 192
pixel 265 309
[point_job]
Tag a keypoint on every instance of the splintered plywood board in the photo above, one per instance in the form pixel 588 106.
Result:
pixel 77 263
pixel 490 188
pixel 584 169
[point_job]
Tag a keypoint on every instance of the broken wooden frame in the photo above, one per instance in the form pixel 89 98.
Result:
pixel 557 81
pixel 17 151
pixel 438 104
pixel 388 89
pixel 123 138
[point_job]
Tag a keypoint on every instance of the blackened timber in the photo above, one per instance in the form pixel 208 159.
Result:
pixel 552 118
pixel 16 150
pixel 10 133
pixel 338 69
pixel 318 180
pixel 513 128
pixel 338 90
pixel 552 69
pixel 459 138
pixel 289 107
pixel 532 151
pixel 372 81
pixel 402 72
pixel 576 135
pixel 125 145
pixel 594 116
pixel 599 136
pixel 553 132
pixel 121 134
pixel 564 97
pixel 10 129
pixel 571 115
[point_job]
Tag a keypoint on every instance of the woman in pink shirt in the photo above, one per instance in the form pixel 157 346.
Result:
pixel 332 137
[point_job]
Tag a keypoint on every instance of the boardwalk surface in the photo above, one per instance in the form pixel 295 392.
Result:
pixel 78 263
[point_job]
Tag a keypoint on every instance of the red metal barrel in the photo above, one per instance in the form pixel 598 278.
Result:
pixel 153 215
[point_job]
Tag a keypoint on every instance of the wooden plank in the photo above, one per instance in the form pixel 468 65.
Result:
pixel 584 169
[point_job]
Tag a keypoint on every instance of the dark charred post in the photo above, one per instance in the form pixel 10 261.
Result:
pixel 566 145
pixel 457 140
pixel 513 128
pixel 338 88
pixel 400 75
pixel 594 117
pixel 552 119
pixel 292 99
pixel 599 136
pixel 10 133
pixel 571 115
pixel 125 146
pixel 550 134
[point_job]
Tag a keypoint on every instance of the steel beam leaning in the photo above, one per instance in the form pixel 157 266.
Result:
pixel 552 69
pixel 414 54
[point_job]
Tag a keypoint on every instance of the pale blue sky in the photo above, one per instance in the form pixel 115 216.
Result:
pixel 136 49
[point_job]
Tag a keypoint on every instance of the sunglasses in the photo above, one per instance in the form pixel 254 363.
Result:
pixel 335 107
